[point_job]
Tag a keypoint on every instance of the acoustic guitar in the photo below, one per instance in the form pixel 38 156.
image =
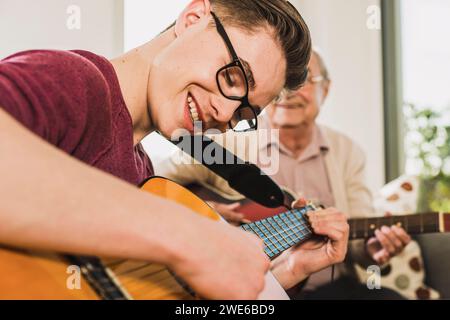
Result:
pixel 41 275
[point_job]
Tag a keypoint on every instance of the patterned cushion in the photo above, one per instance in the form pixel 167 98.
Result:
pixel 404 273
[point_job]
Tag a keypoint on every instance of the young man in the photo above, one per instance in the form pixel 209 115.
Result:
pixel 318 164
pixel 88 112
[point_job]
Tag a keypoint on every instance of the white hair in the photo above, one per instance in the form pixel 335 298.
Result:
pixel 322 66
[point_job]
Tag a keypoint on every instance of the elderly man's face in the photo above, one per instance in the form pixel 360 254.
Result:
pixel 301 108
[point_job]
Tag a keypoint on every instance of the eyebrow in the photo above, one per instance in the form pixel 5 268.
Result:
pixel 249 73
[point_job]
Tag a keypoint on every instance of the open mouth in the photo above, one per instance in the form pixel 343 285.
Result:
pixel 193 109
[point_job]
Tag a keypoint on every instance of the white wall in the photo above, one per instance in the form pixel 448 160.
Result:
pixel 143 20
pixel 354 57
pixel 26 24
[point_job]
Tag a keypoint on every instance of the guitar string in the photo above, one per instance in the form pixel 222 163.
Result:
pixel 283 231
pixel 303 224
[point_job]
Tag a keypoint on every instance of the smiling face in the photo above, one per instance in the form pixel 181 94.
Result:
pixel 301 108
pixel 182 83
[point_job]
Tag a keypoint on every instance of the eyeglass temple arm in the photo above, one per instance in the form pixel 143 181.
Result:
pixel 224 35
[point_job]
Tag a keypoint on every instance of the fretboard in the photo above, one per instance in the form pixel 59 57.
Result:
pixel 413 224
pixel 282 231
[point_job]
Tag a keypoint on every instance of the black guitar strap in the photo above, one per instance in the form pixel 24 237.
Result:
pixel 244 177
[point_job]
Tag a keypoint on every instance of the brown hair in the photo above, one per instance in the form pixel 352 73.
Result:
pixel 286 23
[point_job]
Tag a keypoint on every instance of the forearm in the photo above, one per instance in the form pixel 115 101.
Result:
pixel 283 270
pixel 64 205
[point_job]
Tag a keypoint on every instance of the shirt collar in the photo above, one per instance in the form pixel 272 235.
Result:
pixel 317 146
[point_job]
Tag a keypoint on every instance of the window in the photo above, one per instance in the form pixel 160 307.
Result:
pixel 417 72
pixel 425 28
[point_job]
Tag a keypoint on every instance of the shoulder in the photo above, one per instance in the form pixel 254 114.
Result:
pixel 36 59
pixel 344 151
pixel 50 58
pixel 338 140
pixel 50 91
pixel 53 68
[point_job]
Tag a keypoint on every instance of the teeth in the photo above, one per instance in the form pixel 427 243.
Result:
pixel 193 109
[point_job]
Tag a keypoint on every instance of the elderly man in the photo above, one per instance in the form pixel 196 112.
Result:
pixel 318 164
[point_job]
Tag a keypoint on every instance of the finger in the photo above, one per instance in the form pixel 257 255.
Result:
pixel 398 245
pixel 233 216
pixel 233 206
pixel 373 245
pixel 385 243
pixel 328 216
pixel 372 241
pixel 402 235
pixel 329 213
pixel 341 246
pixel 299 203
pixel 322 227
pixel 381 257
pixel 334 231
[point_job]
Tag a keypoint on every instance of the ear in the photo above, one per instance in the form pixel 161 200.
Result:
pixel 192 14
pixel 326 89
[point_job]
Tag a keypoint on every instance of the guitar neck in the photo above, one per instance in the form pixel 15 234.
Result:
pixel 413 224
pixel 287 229
pixel 282 231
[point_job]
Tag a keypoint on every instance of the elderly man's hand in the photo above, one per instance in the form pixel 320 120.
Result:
pixel 387 243
pixel 299 262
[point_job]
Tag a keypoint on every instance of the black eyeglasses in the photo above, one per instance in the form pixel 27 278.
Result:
pixel 233 84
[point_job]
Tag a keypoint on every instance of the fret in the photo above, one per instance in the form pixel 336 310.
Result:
pixel 290 233
pixel 359 228
pixel 431 222
pixel 441 222
pixel 413 224
pixel 273 235
pixel 271 245
pixel 282 231
pixel 421 223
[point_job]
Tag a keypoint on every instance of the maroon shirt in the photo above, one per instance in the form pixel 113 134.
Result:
pixel 72 99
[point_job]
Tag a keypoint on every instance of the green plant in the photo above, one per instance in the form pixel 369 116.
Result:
pixel 428 148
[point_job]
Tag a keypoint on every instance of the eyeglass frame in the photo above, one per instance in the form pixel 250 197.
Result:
pixel 235 63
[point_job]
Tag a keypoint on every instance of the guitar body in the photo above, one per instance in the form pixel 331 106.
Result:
pixel 30 275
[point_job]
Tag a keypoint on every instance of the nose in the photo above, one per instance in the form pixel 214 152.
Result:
pixel 223 109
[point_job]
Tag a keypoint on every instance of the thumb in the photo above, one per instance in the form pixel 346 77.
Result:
pixel 299 203
pixel 234 206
